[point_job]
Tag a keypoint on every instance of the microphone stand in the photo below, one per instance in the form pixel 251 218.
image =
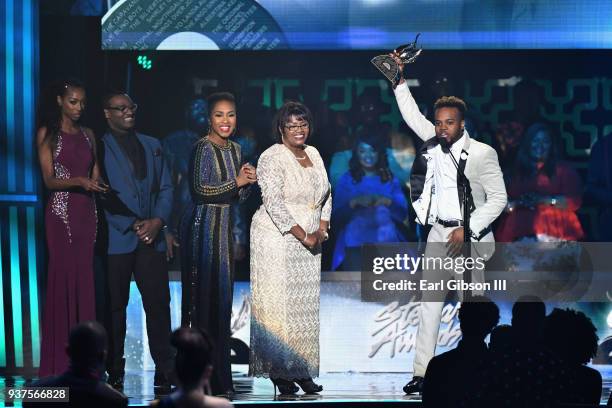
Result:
pixel 467 191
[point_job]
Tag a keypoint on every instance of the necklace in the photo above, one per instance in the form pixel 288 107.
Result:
pixel 301 158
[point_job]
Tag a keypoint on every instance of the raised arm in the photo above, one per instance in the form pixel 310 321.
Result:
pixel 411 113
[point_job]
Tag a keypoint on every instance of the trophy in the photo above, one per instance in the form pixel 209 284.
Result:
pixel 408 53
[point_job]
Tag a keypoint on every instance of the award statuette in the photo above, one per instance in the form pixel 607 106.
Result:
pixel 408 53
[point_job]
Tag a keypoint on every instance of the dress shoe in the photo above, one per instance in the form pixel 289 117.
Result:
pixel 415 385
pixel 285 387
pixel 309 386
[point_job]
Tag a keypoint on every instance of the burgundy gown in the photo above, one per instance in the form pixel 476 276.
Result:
pixel 70 222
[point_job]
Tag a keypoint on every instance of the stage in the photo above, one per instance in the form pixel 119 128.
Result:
pixel 346 389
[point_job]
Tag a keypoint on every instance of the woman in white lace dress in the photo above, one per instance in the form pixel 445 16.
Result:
pixel 286 236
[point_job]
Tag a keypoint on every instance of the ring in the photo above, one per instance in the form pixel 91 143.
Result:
pixel 147 238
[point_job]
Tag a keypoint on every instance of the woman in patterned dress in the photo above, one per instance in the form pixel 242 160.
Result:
pixel 217 180
pixel 286 236
pixel 67 154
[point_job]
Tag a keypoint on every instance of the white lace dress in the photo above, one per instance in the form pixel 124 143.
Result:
pixel 285 275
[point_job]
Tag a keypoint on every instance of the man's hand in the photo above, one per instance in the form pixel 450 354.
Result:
pixel 395 55
pixel 171 243
pixel 455 242
pixel 148 229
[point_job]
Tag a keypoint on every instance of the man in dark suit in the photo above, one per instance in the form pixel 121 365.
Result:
pixel 87 347
pixel 136 212
pixel 455 374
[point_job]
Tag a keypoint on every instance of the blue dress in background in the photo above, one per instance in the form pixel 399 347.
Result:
pixel 361 225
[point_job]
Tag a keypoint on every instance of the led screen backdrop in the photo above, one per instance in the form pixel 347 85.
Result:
pixel 356 24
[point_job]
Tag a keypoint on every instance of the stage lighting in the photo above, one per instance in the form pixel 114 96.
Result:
pixel 145 62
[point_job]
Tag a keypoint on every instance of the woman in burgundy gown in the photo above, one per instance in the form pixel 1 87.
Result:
pixel 67 154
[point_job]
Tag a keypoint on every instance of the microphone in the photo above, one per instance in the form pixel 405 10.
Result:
pixel 444 145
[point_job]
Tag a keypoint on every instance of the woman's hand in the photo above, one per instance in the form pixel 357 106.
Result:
pixel 92 185
pixel 247 175
pixel 362 201
pixel 321 235
pixel 310 241
pixel 382 200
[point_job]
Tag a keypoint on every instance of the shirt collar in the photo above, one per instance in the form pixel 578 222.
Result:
pixel 458 145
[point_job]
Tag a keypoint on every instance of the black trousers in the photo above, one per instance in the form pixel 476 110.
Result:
pixel 151 275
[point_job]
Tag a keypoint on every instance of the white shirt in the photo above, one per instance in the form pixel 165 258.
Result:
pixel 445 181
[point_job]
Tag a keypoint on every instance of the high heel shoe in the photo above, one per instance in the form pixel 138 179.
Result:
pixel 309 386
pixel 285 387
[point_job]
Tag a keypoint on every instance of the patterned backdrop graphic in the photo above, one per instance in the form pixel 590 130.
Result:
pixel 578 108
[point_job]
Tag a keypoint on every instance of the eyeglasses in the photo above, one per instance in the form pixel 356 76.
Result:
pixel 124 109
pixel 295 128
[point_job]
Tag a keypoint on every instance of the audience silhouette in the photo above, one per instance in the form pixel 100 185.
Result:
pixel 457 372
pixel 87 349
pixel 575 351
pixel 194 356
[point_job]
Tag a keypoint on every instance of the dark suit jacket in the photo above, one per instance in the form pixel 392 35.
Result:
pixel 131 199
pixel 84 392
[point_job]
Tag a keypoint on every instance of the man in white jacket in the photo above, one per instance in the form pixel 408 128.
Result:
pixel 440 204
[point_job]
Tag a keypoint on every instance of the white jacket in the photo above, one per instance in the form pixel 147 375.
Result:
pixel 481 169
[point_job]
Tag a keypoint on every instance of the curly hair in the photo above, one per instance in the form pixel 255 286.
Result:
pixel 451 102
pixel 374 137
pixel 571 335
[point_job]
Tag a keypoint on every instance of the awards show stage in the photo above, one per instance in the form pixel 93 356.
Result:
pixel 366 348
pixel 534 75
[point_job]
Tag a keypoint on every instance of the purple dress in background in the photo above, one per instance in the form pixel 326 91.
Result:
pixel 70 222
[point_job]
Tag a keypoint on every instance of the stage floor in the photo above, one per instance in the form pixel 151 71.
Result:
pixel 349 389
pixel 374 388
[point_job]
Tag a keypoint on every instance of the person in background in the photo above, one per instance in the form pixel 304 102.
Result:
pixel 177 147
pixel 544 193
pixel 369 205
pixel 194 369
pixel 575 351
pixel 452 375
pixel 599 185
pixel 86 351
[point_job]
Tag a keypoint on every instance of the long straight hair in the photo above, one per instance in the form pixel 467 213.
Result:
pixel 373 136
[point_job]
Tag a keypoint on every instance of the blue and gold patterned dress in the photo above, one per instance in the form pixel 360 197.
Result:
pixel 206 249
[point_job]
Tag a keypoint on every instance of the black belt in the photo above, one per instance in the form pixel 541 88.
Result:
pixel 448 224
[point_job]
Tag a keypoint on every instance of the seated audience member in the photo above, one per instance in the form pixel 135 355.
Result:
pixel 193 370
pixel 501 338
pixel 575 350
pixel 87 348
pixel 452 375
pixel 401 154
pixel 369 205
pixel 544 193
pixel 526 374
pixel 599 185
